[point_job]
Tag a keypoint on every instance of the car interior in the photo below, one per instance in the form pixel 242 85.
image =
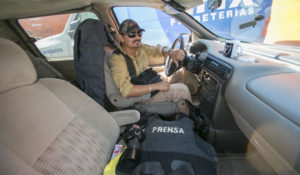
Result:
pixel 251 108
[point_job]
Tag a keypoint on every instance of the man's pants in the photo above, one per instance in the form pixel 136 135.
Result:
pixel 177 93
pixel 186 77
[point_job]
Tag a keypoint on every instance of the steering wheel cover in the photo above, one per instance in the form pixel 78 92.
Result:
pixel 170 65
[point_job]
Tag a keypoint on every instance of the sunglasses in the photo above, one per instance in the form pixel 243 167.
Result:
pixel 133 34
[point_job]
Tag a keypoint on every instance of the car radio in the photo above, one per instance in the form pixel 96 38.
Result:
pixel 212 77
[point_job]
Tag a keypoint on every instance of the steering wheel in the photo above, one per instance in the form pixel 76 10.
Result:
pixel 170 65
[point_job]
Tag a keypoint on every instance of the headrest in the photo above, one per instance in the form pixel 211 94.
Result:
pixel 16 69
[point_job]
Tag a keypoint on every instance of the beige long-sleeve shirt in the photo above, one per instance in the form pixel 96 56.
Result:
pixel 140 60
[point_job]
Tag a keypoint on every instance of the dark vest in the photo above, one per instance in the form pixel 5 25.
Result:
pixel 168 148
pixel 175 145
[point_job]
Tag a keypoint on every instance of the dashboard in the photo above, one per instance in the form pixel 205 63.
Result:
pixel 257 102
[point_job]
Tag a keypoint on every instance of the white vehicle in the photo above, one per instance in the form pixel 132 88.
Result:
pixel 61 45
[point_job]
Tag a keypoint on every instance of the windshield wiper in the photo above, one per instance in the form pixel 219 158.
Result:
pixel 252 23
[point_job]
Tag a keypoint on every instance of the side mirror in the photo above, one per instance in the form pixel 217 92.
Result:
pixel 214 4
pixel 73 27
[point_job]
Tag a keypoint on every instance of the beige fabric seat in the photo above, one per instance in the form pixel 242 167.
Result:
pixel 48 126
pixel 43 68
pixel 119 101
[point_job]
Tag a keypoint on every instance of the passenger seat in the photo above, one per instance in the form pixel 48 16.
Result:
pixel 48 126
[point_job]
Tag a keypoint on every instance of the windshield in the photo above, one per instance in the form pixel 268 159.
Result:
pixel 262 21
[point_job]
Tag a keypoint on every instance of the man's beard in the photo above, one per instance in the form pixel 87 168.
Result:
pixel 136 43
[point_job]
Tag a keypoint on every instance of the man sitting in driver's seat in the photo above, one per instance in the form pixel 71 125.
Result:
pixel 130 37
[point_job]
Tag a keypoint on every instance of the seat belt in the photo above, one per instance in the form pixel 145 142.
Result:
pixel 129 63
pixel 132 71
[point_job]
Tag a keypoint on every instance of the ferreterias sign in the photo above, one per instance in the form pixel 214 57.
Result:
pixel 228 9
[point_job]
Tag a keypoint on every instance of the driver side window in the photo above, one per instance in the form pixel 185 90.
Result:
pixel 160 27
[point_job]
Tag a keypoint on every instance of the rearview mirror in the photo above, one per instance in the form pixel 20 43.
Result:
pixel 213 4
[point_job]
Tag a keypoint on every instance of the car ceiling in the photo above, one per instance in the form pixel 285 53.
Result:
pixel 10 9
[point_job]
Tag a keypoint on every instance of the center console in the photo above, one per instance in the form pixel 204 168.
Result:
pixel 213 78
pixel 223 130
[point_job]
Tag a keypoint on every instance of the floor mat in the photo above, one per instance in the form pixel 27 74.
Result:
pixel 250 163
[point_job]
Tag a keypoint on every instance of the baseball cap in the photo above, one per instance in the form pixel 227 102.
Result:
pixel 128 26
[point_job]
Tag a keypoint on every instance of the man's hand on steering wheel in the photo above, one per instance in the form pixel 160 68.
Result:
pixel 177 55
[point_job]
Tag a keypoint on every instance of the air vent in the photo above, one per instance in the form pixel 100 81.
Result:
pixel 218 69
pixel 222 72
pixel 212 66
